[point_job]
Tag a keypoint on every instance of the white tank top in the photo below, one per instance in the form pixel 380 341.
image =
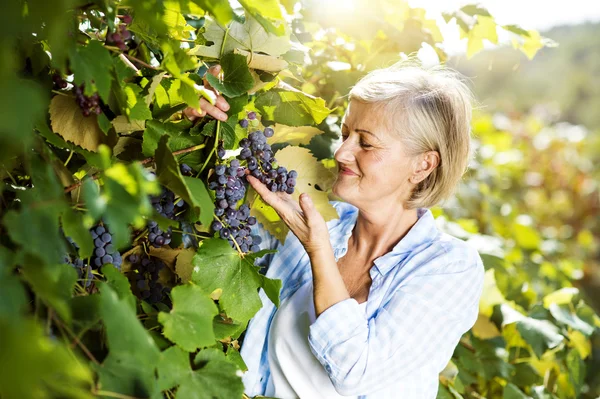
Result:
pixel 295 371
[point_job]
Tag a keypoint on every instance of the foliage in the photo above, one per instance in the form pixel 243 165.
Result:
pixel 505 80
pixel 138 64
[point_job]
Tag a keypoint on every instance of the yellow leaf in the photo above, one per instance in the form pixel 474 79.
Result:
pixel 580 342
pixel 263 62
pixel 449 373
pixel 122 125
pixel 67 120
pixel 560 297
pixel 484 328
pixel 293 134
pixel 513 337
pixel 532 44
pixel 310 172
pixel 474 45
pixel 183 264
pixel 485 28
pixel 491 294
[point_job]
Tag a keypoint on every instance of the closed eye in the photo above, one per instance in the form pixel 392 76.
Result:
pixel 362 143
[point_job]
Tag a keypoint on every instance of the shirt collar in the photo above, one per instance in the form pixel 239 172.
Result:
pixel 422 232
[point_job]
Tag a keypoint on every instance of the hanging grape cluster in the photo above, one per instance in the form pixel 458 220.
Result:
pixel 144 277
pixel 89 105
pixel 121 35
pixel 229 185
pixel 166 206
pixel 104 250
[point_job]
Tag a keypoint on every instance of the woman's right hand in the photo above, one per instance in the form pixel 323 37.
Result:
pixel 218 110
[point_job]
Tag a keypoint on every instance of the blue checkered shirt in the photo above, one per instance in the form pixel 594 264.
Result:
pixel 424 296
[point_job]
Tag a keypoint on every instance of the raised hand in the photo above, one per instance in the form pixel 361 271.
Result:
pixel 218 110
pixel 302 218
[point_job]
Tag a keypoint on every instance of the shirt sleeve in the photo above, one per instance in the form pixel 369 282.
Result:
pixel 419 327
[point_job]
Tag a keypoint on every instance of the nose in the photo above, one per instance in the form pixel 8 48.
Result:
pixel 345 152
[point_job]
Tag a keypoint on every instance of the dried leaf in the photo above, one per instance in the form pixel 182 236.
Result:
pixel 67 120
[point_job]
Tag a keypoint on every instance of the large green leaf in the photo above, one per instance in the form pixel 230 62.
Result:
pixel 36 366
pixel 133 356
pixel 237 79
pixel 189 324
pixel 292 108
pixel 217 265
pixel 216 378
pixel 250 36
pixel 92 65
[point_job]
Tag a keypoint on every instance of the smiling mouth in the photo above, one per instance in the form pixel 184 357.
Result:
pixel 348 172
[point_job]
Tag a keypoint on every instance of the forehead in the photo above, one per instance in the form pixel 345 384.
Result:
pixel 364 116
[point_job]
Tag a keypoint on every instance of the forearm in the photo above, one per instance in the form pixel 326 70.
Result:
pixel 329 287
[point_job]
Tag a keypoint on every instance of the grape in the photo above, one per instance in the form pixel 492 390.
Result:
pixel 268 132
pixel 165 205
pixel 186 169
pixel 59 82
pixel 87 104
pixel 229 185
pixel 144 277
pixel 121 35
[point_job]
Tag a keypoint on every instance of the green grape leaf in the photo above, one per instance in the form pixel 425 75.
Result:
pixel 72 224
pixel 217 265
pixel 34 365
pixel 220 9
pixel 216 378
pixel 192 190
pixel 14 298
pixel 92 65
pixel 250 36
pixel 189 324
pixel 117 281
pixel 237 79
pixel 563 314
pixel 132 359
pixel 292 108
pixel 54 285
pixel 224 328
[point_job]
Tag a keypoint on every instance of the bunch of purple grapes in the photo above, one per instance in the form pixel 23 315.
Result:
pixel 58 82
pixel 262 165
pixel 87 104
pixel 165 205
pixel 145 276
pixel 229 184
pixel 104 250
pixel 120 36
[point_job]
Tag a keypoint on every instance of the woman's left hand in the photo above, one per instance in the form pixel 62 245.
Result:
pixel 303 219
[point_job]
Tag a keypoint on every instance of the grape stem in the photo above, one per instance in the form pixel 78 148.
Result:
pixel 212 151
pixel 131 58
pixel 234 241
pixel 76 340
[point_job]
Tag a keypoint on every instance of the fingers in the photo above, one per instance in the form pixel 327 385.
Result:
pixel 193 114
pixel 222 103
pixel 262 190
pixel 309 210
pixel 211 110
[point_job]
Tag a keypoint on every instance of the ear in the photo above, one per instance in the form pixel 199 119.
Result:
pixel 424 164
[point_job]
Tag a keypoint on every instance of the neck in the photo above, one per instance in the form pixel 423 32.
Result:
pixel 377 231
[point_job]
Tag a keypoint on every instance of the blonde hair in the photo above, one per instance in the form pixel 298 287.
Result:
pixel 430 109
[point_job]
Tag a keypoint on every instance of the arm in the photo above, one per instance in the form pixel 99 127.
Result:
pixel 419 327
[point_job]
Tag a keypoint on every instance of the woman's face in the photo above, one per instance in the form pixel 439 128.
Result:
pixel 372 165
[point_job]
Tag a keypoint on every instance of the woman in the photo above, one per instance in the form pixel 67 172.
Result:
pixel 373 303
